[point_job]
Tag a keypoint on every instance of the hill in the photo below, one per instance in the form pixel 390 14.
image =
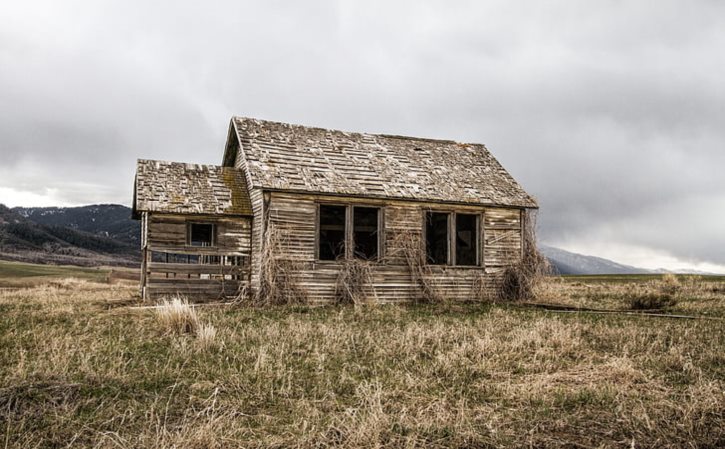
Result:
pixel 90 235
pixel 565 262
pixel 103 220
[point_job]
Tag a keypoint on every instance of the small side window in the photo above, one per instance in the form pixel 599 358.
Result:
pixel 201 234
pixel 332 232
pixel 436 236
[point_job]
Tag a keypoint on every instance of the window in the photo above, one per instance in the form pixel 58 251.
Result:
pixel 466 239
pixel 332 232
pixel 362 236
pixel 365 232
pixel 452 238
pixel 201 234
pixel 436 236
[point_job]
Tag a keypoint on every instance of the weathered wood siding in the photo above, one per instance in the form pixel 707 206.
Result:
pixel 295 216
pixel 220 270
pixel 502 237
pixel 255 196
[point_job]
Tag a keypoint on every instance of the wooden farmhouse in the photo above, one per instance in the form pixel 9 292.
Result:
pixel 292 210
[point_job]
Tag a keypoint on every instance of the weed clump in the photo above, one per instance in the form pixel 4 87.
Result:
pixel 206 337
pixel 177 316
pixel 651 301
pixel 670 284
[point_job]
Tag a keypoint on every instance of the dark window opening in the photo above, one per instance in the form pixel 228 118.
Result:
pixel 365 232
pixel 466 239
pixel 201 234
pixel 436 234
pixel 332 232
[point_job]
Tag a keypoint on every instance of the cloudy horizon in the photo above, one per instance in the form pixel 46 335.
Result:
pixel 609 113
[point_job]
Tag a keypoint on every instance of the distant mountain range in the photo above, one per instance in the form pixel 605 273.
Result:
pixel 106 234
pixel 89 235
pixel 565 262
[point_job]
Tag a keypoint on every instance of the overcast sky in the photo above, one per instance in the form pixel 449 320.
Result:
pixel 611 113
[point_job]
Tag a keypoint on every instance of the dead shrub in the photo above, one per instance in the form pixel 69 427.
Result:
pixel 670 283
pixel 650 301
pixel 480 290
pixel 520 279
pixel 354 283
pixel 278 285
pixel 409 246
pixel 176 315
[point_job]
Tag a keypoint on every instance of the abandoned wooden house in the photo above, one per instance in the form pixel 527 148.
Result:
pixel 298 206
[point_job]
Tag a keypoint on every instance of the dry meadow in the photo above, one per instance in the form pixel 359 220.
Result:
pixel 81 367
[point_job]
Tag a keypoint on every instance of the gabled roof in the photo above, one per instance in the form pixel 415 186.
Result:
pixel 174 187
pixel 280 156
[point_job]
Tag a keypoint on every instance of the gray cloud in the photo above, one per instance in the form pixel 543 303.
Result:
pixel 609 112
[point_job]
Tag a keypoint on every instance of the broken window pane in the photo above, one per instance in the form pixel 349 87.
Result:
pixel 201 234
pixel 466 239
pixel 365 232
pixel 332 232
pixel 436 233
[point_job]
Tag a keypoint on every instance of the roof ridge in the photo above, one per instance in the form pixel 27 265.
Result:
pixel 319 128
pixel 187 164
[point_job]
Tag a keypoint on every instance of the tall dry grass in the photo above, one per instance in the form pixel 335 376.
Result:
pixel 76 372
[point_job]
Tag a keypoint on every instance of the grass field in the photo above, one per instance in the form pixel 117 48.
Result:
pixel 78 367
pixel 19 274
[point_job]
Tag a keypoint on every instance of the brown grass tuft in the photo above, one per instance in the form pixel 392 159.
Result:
pixel 206 337
pixel 176 315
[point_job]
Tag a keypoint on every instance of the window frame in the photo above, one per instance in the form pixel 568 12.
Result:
pixel 449 250
pixel 454 236
pixel 379 231
pixel 346 230
pixel 451 240
pixel 214 227
pixel 349 229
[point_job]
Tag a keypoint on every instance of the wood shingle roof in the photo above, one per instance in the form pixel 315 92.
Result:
pixel 174 187
pixel 287 157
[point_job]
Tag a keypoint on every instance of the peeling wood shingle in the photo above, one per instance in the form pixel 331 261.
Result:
pixel 174 187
